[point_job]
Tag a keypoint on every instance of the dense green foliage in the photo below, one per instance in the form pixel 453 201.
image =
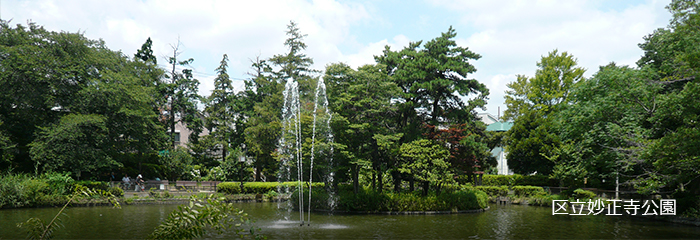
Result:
pixel 229 187
pixel 371 201
pixel 261 187
pixel 517 179
pixel 494 191
pixel 89 110
pixel 528 191
pixel 583 194
pixel 50 189
pixel 70 104
pixel 632 125
pixel 67 98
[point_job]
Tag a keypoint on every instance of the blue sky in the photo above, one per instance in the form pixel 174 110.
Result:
pixel 511 36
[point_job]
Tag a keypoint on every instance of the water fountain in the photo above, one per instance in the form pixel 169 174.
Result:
pixel 290 144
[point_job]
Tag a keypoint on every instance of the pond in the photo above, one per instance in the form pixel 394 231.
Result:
pixel 503 222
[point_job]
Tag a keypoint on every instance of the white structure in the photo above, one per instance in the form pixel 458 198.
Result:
pixel 492 124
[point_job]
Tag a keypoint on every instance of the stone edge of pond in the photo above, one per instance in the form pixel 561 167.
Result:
pixel 407 212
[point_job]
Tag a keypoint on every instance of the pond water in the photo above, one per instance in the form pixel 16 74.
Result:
pixel 500 222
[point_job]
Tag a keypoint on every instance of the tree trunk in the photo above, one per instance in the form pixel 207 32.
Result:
pixel 397 181
pixel 258 169
pixel 374 180
pixel 426 186
pixel 380 183
pixel 355 179
pixel 412 184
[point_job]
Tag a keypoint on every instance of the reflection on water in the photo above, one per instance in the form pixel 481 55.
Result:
pixel 500 222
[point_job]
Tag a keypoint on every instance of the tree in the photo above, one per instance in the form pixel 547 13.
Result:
pixel 295 64
pixel 264 93
pixel 6 148
pixel 468 147
pixel 41 72
pixel 78 143
pixel 177 162
pixel 532 139
pixel 219 112
pixel 533 103
pixel 556 75
pixel 361 100
pixel 265 125
pixel 426 161
pixel 183 97
pixel 48 76
pixel 602 129
pixel 434 80
pixel 145 54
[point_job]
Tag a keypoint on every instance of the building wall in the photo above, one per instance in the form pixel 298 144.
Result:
pixel 498 152
pixel 185 133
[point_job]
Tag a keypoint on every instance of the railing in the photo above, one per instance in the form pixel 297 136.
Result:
pixel 623 194
pixel 165 185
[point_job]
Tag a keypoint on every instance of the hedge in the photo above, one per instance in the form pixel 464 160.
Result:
pixel 518 180
pixel 499 180
pixel 229 187
pixel 259 187
pixel 494 191
pixel 371 201
pixel 93 184
pixel 528 191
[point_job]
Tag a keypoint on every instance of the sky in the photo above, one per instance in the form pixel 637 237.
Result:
pixel 511 36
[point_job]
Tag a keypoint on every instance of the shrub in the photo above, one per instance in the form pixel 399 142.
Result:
pixel 583 194
pixel 543 200
pixel 215 174
pixel 499 180
pixel 229 187
pixel 153 193
pixel 21 190
pixel 93 184
pixel 528 191
pixel 371 201
pixel 493 191
pixel 362 201
pixel 518 180
pixel 60 183
pixel 462 200
pixel 265 187
pixel 535 180
pixel 259 187
pixel 270 196
pixel 116 191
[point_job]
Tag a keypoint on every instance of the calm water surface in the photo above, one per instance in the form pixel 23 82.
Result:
pixel 500 222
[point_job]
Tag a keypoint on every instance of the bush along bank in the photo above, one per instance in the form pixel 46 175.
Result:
pixel 532 195
pixel 49 189
pixel 369 201
pixel 455 199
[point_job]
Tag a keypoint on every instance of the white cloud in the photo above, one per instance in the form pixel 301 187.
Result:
pixel 510 35
pixel 366 53
pixel 206 29
pixel 513 36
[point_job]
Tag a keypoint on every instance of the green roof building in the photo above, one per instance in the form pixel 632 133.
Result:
pixel 499 152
